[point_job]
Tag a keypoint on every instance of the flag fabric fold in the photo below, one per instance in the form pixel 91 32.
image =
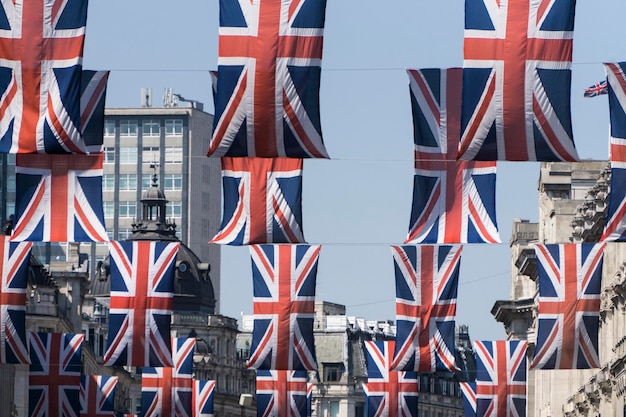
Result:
pixel 284 279
pixel 281 393
pixel 203 398
pixel 500 378
pixel 97 395
pixel 570 282
pixel 14 263
pixel 453 201
pixel 388 393
pixel 262 201
pixel 41 51
pixel 517 81
pixel 426 292
pixel 142 291
pixel 269 65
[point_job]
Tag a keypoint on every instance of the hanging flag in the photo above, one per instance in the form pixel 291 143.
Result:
pixel 97 395
pixel 41 49
pixel 168 391
pixel 517 81
pixel 453 201
pixel 598 89
pixel 59 199
pixel 501 378
pixel 262 201
pixel 203 397
pixel 310 387
pixel 14 262
pixel 427 279
pixel 569 281
pixel 54 377
pixel 468 389
pixel 284 278
pixel 281 393
pixel 615 225
pixel 93 87
pixel 142 290
pixel 388 393
pixel 269 66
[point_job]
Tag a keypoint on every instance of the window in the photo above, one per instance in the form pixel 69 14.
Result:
pixel 128 209
pixel 334 409
pixel 11 183
pixel 150 128
pixel 128 182
pixel 332 372
pixel 173 155
pixel 128 127
pixel 109 128
pixel 146 181
pixel 108 182
pixel 151 155
pixel 173 182
pixel 123 234
pixel 109 155
pixel 128 155
pixel 10 208
pixel 109 209
pixel 174 127
pixel 174 209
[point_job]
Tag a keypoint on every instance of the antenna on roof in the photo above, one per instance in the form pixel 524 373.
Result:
pixel 146 97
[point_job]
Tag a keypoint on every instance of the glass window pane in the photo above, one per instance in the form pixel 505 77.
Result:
pixel 174 155
pixel 174 127
pixel 109 128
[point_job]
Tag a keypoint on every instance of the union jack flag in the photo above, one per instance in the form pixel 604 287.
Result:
pixel 142 290
pixel 168 391
pixel 516 81
pixel 262 201
pixel 14 261
pixel 388 393
pixel 92 99
pixel 284 278
pixel 281 393
pixel 54 378
pixel 59 198
pixel 468 389
pixel 269 64
pixel 615 226
pixel 598 89
pixel 97 395
pixel 427 279
pixel 501 378
pixel 569 280
pixel 41 48
pixel 309 398
pixel 203 395
pixel 453 201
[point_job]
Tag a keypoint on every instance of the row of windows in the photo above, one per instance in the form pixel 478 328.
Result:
pixel 128 182
pixel 125 232
pixel 128 209
pixel 150 155
pixel 152 128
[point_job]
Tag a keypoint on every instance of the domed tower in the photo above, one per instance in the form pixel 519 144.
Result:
pixel 193 290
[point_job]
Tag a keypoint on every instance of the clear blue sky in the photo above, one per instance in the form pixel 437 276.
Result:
pixel 357 204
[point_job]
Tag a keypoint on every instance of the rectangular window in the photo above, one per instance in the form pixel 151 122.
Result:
pixel 10 208
pixel 151 155
pixel 123 234
pixel 146 181
pixel 174 127
pixel 150 128
pixel 174 209
pixel 128 182
pixel 174 155
pixel 128 127
pixel 128 155
pixel 109 128
pixel 11 183
pixel 334 409
pixel 128 209
pixel 108 182
pixel 109 209
pixel 109 155
pixel 332 372
pixel 173 182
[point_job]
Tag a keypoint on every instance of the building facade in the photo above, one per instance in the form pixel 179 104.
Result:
pixel 573 198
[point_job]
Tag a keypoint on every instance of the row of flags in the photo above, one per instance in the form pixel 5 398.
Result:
pixel 57 388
